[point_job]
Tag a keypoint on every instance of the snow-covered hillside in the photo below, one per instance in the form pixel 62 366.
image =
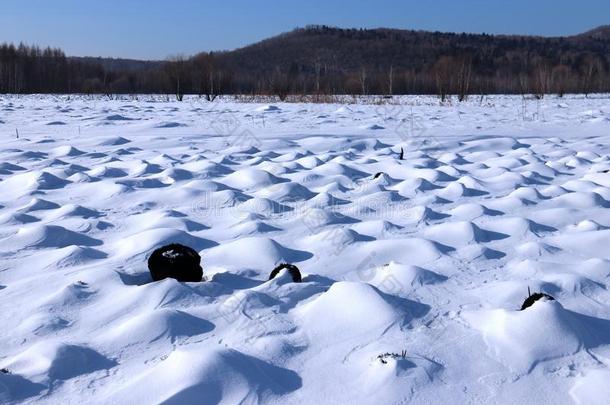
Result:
pixel 414 270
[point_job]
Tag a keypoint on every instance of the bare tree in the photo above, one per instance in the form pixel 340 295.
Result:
pixel 442 74
pixel 592 70
pixel 280 85
pixel 176 68
pixel 317 68
pixel 208 77
pixel 464 71
pixel 362 79
pixel 542 78
pixel 560 77
pixel 391 80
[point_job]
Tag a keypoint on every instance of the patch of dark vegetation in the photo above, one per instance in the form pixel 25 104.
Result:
pixel 5 371
pixel 385 356
pixel 532 298
pixel 292 270
pixel 175 261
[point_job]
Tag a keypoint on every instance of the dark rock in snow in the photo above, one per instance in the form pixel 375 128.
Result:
pixel 292 270
pixel 175 261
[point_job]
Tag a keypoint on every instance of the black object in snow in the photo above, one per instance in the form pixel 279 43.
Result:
pixel 529 301
pixel 292 270
pixel 175 261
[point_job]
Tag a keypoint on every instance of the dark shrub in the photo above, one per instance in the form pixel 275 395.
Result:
pixel 529 301
pixel 175 261
pixel 292 270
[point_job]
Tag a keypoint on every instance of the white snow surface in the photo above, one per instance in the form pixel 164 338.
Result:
pixel 430 256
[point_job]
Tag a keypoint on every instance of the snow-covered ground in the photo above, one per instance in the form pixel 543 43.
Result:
pixel 427 259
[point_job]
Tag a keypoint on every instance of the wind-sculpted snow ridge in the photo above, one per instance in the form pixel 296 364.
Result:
pixel 418 230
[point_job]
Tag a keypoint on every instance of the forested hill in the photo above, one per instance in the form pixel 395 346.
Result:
pixel 328 60
pixel 351 49
pixel 361 59
pixel 602 33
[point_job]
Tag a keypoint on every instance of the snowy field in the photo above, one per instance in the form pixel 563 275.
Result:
pixel 424 261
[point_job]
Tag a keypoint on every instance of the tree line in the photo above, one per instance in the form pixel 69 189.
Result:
pixel 321 60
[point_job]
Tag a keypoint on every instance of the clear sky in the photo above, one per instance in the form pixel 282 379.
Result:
pixel 155 29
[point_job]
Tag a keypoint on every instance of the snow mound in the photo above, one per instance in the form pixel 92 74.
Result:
pixel 286 192
pixel 395 278
pixel 66 151
pixel 49 361
pixel 349 310
pixel 170 124
pixel 461 233
pixel 315 218
pixel 255 253
pixel 21 184
pixel 48 236
pixel 212 375
pixel 39 204
pixel 545 331
pixel 269 108
pixel 17 219
pixel 251 179
pixel 148 240
pixel 264 206
pixel 71 256
pixel 154 325
pixel 114 141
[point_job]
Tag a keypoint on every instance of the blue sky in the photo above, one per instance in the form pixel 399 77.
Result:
pixel 146 29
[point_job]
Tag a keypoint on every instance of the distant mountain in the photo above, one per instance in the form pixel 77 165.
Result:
pixel 602 33
pixel 352 49
pixel 406 61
